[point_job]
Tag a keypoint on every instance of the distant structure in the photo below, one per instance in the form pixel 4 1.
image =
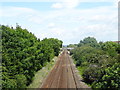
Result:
pixel 117 42
pixel 69 48
pixel 64 46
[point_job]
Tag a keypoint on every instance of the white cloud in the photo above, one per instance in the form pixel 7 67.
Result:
pixel 35 19
pixel 71 3
pixel 51 25
pixel 66 4
pixel 57 5
pixel 55 0
pixel 15 11
pixel 57 31
pixel 68 24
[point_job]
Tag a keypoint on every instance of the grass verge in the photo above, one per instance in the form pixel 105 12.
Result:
pixel 41 74
pixel 81 70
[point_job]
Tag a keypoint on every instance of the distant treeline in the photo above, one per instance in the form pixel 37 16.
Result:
pixel 23 55
pixel 98 62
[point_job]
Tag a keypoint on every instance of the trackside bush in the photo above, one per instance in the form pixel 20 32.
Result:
pixel 100 61
pixel 23 55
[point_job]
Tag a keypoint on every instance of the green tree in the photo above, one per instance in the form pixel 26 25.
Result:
pixel 99 62
pixel 23 54
pixel 91 41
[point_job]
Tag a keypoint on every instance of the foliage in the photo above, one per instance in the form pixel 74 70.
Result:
pixel 23 54
pixel 90 41
pixel 111 78
pixel 118 49
pixel 21 81
pixel 100 62
pixel 110 48
pixel 86 53
pixel 72 45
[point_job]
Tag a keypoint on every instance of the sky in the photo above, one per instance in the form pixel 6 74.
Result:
pixel 67 20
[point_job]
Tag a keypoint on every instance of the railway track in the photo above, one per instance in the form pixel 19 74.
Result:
pixel 63 74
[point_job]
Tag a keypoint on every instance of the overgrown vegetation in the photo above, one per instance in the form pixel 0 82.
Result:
pixel 100 62
pixel 41 75
pixel 23 55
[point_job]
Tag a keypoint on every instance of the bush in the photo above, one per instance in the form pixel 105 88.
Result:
pixel 23 54
pixel 9 83
pixel 92 73
pixel 21 81
pixel 111 78
pixel 99 61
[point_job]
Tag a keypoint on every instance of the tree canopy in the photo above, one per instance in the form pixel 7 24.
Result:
pixel 23 54
pixel 90 41
pixel 100 62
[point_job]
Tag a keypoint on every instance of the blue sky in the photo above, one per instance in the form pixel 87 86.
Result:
pixel 45 6
pixel 69 21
